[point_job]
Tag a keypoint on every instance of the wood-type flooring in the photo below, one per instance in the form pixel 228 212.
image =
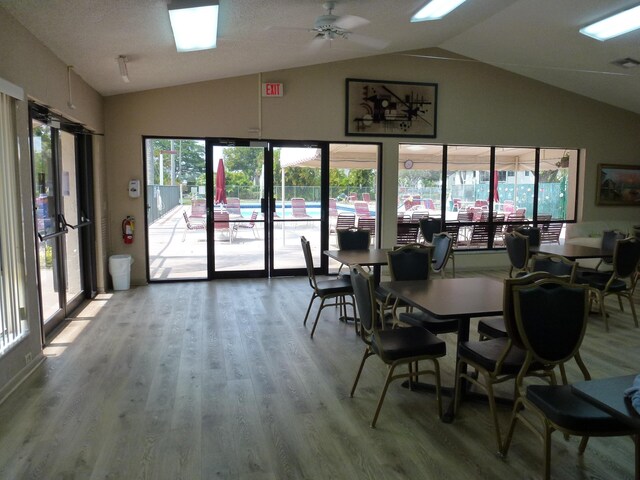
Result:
pixel 220 379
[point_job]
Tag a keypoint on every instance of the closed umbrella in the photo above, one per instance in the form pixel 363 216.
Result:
pixel 221 184
pixel 496 196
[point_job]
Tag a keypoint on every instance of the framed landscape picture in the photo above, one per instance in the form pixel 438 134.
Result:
pixel 391 109
pixel 618 185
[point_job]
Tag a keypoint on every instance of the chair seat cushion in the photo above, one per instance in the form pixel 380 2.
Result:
pixel 492 327
pixel 564 408
pixel 424 320
pixel 600 281
pixel 486 354
pixel 397 343
pixel 334 287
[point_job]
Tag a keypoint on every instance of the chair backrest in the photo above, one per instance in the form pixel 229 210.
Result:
pixel 626 255
pixel 345 220
pixel 353 239
pixel 298 207
pixel 479 235
pixel 453 229
pixel 554 264
pixel 407 233
pixel 517 249
pixel 532 232
pixel 362 209
pixel 308 261
pixel 333 207
pixel 508 207
pixel 551 317
pixel 220 219
pixel 417 215
pixel 442 246
pixel 186 219
pixel 252 220
pixel 609 239
pixel 366 197
pixel 520 212
pixel 508 310
pixel 550 232
pixel 430 226
pixel 367 223
pixel 465 216
pixel 410 262
pixel 481 203
pixel 233 206
pixel 543 217
pixel 428 204
pixel 363 289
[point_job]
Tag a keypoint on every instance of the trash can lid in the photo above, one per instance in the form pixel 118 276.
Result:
pixel 120 257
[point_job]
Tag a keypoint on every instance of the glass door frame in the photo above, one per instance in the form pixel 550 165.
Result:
pixel 85 207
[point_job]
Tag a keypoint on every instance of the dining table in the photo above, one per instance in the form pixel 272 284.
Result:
pixel 446 298
pixel 570 251
pixel 371 257
pixel 608 394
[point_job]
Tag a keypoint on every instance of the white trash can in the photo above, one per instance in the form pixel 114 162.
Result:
pixel 120 270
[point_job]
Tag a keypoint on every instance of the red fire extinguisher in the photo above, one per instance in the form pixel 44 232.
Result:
pixel 128 225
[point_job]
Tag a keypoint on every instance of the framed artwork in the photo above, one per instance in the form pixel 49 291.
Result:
pixel 391 109
pixel 618 185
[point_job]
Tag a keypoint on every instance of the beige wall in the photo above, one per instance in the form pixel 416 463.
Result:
pixel 478 104
pixel 25 62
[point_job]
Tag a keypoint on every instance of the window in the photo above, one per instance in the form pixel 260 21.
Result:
pixel 13 325
pixel 489 189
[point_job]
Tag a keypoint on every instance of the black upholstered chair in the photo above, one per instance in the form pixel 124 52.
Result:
pixel 554 264
pixel 498 360
pixel 353 239
pixel 609 239
pixel 337 290
pixel 413 262
pixel 395 347
pixel 442 252
pixel 430 226
pixel 620 282
pixel 551 319
pixel 518 251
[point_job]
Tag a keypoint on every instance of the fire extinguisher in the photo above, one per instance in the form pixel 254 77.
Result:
pixel 128 225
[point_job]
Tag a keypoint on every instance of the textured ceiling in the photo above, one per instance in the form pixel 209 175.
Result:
pixel 535 38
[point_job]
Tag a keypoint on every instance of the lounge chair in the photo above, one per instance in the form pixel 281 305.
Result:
pixel 362 209
pixel 366 197
pixel 191 226
pixel 299 208
pixel 250 225
pixel 233 206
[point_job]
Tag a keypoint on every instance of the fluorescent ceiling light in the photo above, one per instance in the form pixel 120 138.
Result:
pixel 122 64
pixel 194 24
pixel 436 9
pixel 623 22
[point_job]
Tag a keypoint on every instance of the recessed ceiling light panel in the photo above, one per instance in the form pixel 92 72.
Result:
pixel 436 9
pixel 194 24
pixel 615 25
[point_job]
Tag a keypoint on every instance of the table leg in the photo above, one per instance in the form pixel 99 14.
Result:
pixel 463 336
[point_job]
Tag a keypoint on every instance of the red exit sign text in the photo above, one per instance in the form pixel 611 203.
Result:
pixel 272 89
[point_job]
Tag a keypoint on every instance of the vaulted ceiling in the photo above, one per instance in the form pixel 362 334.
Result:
pixel 535 38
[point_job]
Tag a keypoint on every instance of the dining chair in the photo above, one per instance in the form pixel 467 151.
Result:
pixel 413 262
pixel 250 225
pixel 442 252
pixel 368 223
pixel 429 227
pixel 407 233
pixel 608 243
pixel 337 290
pixel 620 282
pixel 353 239
pixel 518 252
pixel 191 225
pixel 221 224
pixel 396 347
pixel 233 206
pixel 550 232
pixel 498 360
pixel 551 319
pixel 553 264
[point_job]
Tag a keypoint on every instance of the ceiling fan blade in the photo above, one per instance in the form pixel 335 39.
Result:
pixel 349 22
pixel 370 42
pixel 318 43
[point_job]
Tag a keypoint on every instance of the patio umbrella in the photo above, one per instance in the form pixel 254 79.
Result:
pixel 221 187
pixel 496 196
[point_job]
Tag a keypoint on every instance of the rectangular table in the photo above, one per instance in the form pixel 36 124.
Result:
pixel 373 257
pixel 572 252
pixel 462 298
pixel 608 394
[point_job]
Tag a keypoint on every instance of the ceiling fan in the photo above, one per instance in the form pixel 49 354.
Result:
pixel 329 27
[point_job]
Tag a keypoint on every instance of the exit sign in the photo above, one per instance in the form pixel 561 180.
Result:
pixel 272 89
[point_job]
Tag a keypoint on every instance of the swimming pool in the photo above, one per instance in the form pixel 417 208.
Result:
pixel 313 209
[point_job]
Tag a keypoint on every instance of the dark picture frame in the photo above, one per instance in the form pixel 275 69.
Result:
pixel 390 109
pixel 618 185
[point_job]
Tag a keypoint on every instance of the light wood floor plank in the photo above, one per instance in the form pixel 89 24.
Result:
pixel 221 380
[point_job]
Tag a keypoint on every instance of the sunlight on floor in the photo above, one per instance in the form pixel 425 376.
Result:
pixel 74 326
